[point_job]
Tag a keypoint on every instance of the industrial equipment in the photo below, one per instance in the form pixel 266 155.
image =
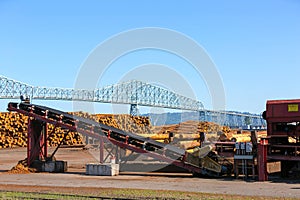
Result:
pixel 244 159
pixel 283 136
pixel 40 116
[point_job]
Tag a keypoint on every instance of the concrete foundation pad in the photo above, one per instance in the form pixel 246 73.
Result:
pixel 50 166
pixel 105 169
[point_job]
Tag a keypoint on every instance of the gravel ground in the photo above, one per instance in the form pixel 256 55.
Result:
pixel 76 180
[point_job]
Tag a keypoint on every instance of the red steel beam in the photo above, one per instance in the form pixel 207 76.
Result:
pixel 262 160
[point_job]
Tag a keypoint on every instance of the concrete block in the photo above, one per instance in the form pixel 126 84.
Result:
pixel 48 166
pixel 106 169
pixel 61 166
pixel 54 166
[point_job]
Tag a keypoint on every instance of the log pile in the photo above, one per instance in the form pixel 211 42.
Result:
pixel 186 135
pixel 13 132
pixel 13 128
pixel 128 123
pixel 139 125
pixel 64 137
pixel 240 136
pixel 188 127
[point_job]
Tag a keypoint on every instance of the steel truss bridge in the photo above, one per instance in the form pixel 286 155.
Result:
pixel 134 93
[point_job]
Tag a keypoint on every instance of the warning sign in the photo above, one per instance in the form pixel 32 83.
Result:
pixel 293 108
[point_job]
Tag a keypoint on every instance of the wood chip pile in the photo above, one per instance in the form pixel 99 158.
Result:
pixel 21 168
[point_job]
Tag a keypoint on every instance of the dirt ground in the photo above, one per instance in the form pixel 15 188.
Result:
pixel 75 181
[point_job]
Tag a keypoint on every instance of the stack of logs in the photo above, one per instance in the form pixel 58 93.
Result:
pixel 186 135
pixel 237 135
pixel 13 132
pixel 134 124
pixel 13 128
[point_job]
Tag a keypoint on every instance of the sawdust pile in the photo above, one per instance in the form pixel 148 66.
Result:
pixel 21 168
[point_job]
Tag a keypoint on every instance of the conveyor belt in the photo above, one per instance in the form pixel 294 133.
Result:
pixel 123 139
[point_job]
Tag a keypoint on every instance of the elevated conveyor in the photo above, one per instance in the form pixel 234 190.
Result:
pixel 40 116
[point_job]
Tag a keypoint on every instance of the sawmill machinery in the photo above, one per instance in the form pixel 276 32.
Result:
pixel 282 143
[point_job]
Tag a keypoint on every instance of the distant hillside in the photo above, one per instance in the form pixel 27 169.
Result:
pixel 171 118
pixel 175 118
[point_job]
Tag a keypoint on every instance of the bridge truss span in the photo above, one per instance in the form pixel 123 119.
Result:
pixel 131 92
pixel 134 93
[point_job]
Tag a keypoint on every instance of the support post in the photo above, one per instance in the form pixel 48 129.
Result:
pixel 101 150
pixel 43 142
pixel 29 140
pixel 117 154
pixel 262 160
pixel 36 136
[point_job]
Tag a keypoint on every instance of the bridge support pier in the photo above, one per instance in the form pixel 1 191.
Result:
pixel 202 116
pixel 134 110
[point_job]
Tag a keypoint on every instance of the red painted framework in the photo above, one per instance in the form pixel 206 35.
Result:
pixel 277 111
pixel 180 163
pixel 36 139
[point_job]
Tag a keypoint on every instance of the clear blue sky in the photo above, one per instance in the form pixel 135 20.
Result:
pixel 254 44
